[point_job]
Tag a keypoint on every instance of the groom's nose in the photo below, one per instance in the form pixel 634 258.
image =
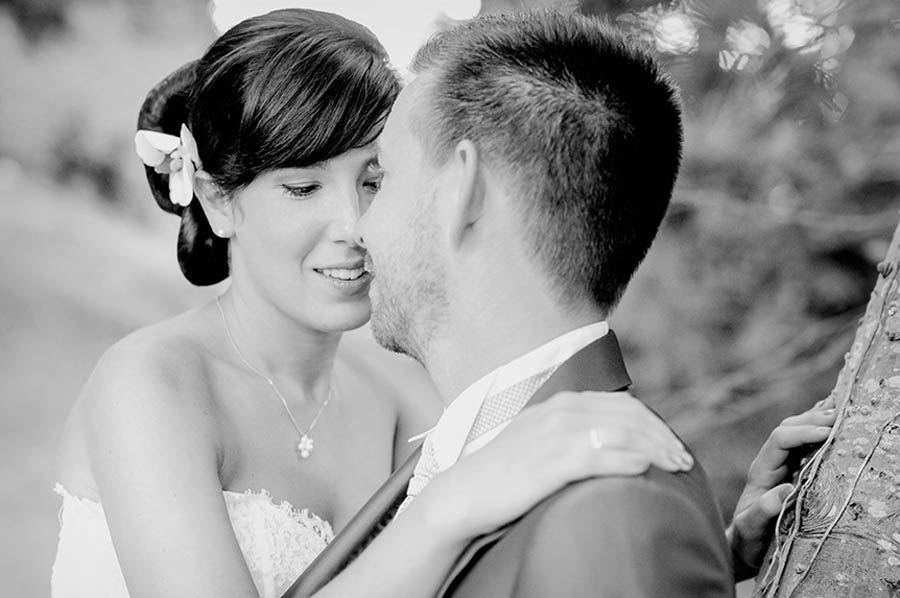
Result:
pixel 358 238
pixel 359 228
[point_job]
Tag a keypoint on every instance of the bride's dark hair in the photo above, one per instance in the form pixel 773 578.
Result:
pixel 290 88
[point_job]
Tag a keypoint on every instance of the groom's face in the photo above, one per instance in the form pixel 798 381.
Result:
pixel 401 233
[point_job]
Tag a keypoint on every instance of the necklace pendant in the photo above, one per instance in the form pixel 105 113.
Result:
pixel 305 446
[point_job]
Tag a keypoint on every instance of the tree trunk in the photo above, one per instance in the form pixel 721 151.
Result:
pixel 841 536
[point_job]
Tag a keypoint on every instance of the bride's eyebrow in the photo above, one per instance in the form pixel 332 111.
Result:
pixel 287 174
pixel 291 170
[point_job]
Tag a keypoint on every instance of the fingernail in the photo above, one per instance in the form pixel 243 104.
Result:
pixel 683 460
pixel 824 429
pixel 828 412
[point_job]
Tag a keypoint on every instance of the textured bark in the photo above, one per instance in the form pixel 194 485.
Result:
pixel 841 534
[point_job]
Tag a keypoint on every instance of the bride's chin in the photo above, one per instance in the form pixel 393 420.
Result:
pixel 358 323
pixel 345 318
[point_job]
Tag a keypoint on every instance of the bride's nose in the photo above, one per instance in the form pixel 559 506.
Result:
pixel 347 213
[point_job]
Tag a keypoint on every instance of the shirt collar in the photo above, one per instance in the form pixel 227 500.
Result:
pixel 449 435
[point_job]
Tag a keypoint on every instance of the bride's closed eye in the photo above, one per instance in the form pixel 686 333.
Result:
pixel 301 191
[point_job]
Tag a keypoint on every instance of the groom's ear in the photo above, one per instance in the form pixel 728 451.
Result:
pixel 468 200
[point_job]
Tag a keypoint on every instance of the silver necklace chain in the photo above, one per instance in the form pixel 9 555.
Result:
pixel 305 445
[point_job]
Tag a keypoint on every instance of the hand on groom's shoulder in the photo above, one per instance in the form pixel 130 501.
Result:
pixel 655 535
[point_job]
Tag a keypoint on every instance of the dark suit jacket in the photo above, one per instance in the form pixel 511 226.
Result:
pixel 658 534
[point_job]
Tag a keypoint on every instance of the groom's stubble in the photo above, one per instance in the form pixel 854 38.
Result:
pixel 408 293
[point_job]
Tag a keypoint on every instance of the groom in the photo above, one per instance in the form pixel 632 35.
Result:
pixel 527 170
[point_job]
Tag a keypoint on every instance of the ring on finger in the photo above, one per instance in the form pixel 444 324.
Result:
pixel 594 439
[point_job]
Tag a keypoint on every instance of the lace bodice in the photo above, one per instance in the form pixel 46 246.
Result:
pixel 277 540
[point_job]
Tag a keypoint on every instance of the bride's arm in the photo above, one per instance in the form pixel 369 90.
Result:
pixel 153 449
pixel 544 448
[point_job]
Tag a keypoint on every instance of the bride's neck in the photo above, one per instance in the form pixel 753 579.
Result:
pixel 277 345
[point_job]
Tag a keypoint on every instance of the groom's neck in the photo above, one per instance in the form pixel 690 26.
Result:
pixel 488 334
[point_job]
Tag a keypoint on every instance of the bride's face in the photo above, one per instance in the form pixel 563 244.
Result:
pixel 293 240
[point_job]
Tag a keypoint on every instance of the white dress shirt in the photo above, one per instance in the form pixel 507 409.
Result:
pixel 449 435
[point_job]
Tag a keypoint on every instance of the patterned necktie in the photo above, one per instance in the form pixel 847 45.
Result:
pixel 505 405
pixel 495 410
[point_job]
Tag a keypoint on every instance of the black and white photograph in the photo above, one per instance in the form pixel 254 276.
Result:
pixel 450 298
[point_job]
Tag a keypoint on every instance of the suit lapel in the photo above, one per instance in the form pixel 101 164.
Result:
pixel 599 366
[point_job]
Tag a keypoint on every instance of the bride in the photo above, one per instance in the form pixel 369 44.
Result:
pixel 217 453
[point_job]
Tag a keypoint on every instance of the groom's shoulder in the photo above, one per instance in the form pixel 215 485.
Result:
pixel 657 534
pixel 635 533
pixel 655 499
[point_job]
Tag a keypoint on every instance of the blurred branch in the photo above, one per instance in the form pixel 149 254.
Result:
pixel 867 224
pixel 768 367
pixel 694 420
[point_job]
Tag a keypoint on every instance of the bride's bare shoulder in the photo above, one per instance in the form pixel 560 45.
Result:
pixel 172 352
pixel 167 363
pixel 151 388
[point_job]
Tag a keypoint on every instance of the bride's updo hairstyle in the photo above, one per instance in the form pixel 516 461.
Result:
pixel 290 88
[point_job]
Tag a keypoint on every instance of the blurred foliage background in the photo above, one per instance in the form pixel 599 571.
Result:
pixel 740 316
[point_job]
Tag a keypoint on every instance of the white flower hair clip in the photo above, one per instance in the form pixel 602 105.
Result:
pixel 175 156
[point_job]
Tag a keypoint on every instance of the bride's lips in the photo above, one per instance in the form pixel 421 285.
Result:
pixel 347 276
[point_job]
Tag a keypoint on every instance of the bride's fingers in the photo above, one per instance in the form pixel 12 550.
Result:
pixel 661 451
pixel 643 423
pixel 647 422
pixel 620 407
pixel 577 435
pixel 616 462
pixel 647 425
pixel 579 457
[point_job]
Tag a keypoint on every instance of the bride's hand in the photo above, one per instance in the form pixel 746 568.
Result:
pixel 569 437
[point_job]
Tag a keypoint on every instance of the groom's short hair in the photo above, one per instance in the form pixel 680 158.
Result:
pixel 583 121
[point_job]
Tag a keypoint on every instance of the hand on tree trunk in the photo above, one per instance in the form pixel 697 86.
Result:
pixel 767 487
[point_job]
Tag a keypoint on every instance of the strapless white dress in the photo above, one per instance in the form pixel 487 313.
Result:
pixel 277 540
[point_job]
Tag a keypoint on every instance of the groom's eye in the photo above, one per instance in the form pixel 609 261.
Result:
pixel 373 184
